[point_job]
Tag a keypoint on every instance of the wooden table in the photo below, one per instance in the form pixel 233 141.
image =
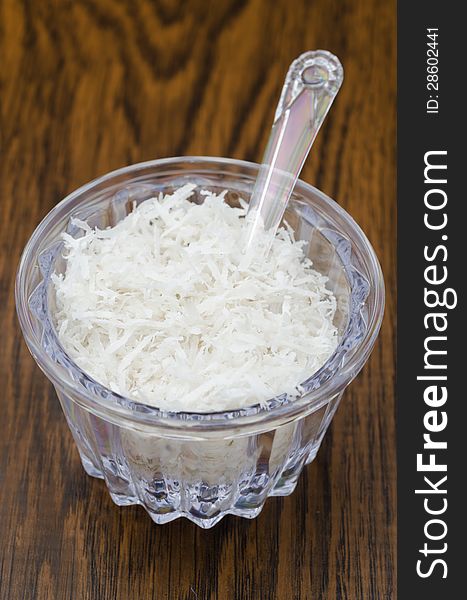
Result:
pixel 87 86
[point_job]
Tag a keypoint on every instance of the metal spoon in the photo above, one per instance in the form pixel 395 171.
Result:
pixel 311 85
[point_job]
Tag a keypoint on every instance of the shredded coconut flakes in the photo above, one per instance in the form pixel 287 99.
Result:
pixel 166 309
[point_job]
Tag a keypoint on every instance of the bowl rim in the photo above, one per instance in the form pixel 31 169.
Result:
pixel 112 406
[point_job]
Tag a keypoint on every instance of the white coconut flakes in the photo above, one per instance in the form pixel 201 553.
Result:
pixel 166 309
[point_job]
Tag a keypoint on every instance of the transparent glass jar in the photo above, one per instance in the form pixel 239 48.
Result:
pixel 201 465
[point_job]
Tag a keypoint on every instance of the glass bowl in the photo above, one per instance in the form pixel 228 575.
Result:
pixel 202 466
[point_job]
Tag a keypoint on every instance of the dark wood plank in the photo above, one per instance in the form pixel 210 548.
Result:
pixel 90 85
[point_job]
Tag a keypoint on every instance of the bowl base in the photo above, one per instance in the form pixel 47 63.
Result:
pixel 247 510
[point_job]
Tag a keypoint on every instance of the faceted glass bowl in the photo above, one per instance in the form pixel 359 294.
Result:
pixel 201 465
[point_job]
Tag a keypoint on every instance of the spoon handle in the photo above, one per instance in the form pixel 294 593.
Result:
pixel 311 85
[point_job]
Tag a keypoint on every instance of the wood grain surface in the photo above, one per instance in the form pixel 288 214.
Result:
pixel 87 86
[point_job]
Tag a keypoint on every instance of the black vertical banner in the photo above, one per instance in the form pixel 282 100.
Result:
pixel 432 236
